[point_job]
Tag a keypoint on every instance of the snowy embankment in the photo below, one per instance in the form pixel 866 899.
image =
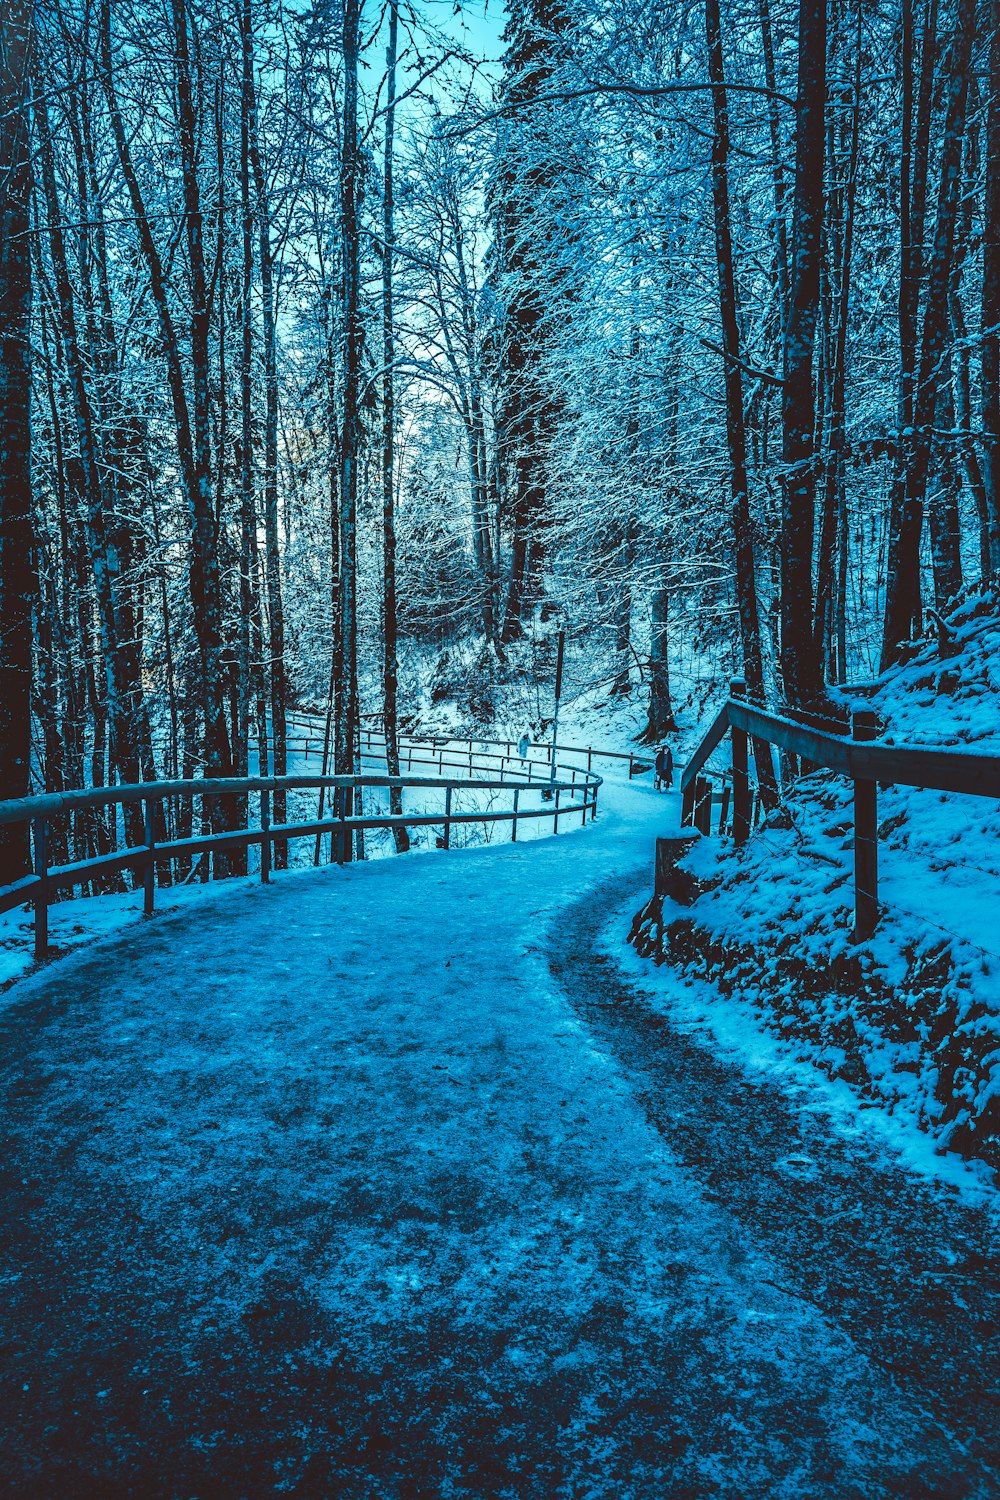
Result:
pixel 911 1019
pixel 352 1154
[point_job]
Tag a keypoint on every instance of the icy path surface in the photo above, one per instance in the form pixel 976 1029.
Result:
pixel 372 1185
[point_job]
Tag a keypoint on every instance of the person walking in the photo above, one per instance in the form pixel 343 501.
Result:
pixel 523 746
pixel 664 770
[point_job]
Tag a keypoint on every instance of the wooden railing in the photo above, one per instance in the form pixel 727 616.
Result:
pixel 572 791
pixel 861 757
pixel 307 736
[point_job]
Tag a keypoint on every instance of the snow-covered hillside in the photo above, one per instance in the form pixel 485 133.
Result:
pixel 912 1017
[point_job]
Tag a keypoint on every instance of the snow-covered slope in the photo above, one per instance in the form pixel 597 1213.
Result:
pixel 911 1018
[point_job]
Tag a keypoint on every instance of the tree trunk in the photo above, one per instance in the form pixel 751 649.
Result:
pixel 660 719
pixel 945 530
pixel 205 581
pixel 801 667
pixel 840 239
pixel 17 572
pixel 193 454
pixel 346 750
pixel 272 553
pixel 991 301
pixel 903 572
pixel 390 664
pixel 120 657
pixel 746 580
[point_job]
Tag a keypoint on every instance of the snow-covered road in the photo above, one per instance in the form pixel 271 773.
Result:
pixel 344 1188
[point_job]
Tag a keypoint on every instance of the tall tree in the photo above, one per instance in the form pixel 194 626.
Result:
pixel 193 436
pixel 17 570
pixel 390 661
pixel 527 197
pixel 902 602
pixel 351 433
pixel 991 299
pixel 801 664
pixel 272 547
pixel 746 578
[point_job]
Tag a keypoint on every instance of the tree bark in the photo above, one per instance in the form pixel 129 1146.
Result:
pixel 17 570
pixel 390 663
pixel 991 301
pixel 801 666
pixel 348 720
pixel 272 553
pixel 193 454
pixel 746 579
pixel 903 572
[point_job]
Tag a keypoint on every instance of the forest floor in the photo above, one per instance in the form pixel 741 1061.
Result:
pixel 388 1181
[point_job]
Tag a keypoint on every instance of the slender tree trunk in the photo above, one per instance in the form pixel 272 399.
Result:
pixel 193 451
pixel 841 236
pixel 348 726
pixel 660 719
pixel 746 580
pixel 17 571
pixel 943 518
pixel 801 665
pixel 120 657
pixel 777 171
pixel 903 573
pixel 390 664
pixel 272 551
pixel 206 584
pixel 991 301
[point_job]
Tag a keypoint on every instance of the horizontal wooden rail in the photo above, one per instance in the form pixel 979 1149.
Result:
pixel 862 757
pixel 50 804
pixel 344 824
pixel 636 764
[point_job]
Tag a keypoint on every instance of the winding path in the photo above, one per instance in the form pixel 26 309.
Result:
pixel 379 1183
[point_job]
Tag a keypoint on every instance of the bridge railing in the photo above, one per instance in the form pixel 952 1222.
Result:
pixel 571 792
pixel 861 757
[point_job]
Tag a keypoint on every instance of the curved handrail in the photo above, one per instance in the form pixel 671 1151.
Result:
pixel 342 824
pixel 862 756
pixel 976 773
pixel 50 804
pixel 315 725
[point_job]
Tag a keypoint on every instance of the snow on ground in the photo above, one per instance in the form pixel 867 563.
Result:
pixel 76 921
pixel 916 1022
pixel 332 1188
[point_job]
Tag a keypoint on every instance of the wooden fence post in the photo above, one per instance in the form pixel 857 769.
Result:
pixel 687 805
pixel 864 726
pixel 40 841
pixel 741 777
pixel 724 813
pixel 703 805
pixel 447 818
pixel 149 868
pixel 265 837
pixel 555 816
pixel 342 833
pixel 513 824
